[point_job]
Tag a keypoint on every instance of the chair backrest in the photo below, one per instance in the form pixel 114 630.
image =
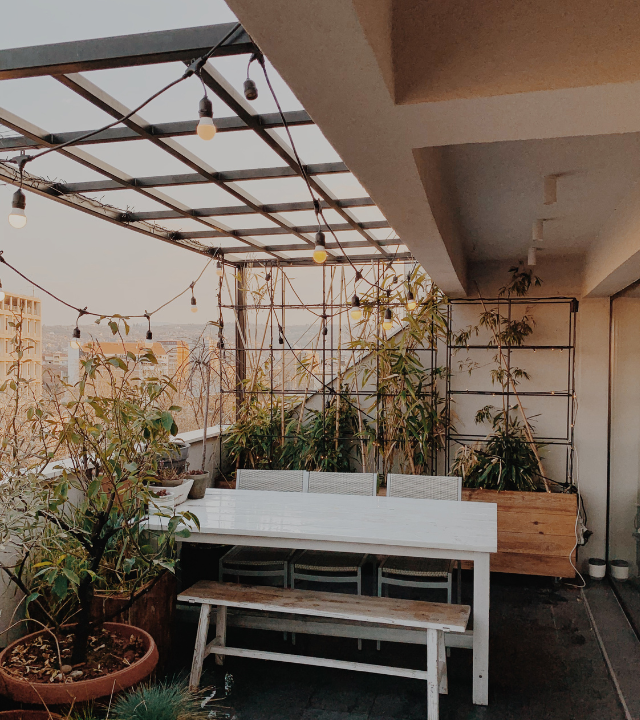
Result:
pixel 424 487
pixel 337 483
pixel 279 480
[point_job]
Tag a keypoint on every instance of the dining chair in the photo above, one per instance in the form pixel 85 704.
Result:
pixel 431 573
pixel 427 573
pixel 333 568
pixel 249 561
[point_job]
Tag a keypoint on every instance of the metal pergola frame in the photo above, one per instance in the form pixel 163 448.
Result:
pixel 65 61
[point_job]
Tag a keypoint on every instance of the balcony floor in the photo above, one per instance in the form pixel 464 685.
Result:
pixel 545 663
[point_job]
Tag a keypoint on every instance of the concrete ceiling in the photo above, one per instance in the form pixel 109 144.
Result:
pixel 458 172
pixel 430 50
pixel 496 191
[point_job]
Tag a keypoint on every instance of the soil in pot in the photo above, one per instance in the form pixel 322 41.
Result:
pixel 119 656
pixel 37 660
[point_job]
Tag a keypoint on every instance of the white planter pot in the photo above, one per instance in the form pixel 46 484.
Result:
pixel 619 569
pixel 175 496
pixel 597 568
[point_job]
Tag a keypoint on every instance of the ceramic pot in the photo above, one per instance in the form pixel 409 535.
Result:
pixel 619 569
pixel 199 487
pixel 49 694
pixel 597 568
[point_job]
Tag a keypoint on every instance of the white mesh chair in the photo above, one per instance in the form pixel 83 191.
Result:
pixel 329 567
pixel 420 572
pixel 250 561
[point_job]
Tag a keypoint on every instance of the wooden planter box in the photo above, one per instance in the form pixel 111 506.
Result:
pixel 536 531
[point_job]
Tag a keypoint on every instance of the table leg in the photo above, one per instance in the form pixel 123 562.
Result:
pixel 200 648
pixel 433 696
pixel 481 629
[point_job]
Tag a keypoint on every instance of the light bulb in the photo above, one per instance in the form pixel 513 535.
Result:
pixel 194 306
pixel 1 295
pixel 194 309
pixel 320 252
pixel 206 128
pixel 356 312
pixel 75 345
pixel 250 89
pixel 411 302
pixel 219 269
pixel 17 216
pixel 388 319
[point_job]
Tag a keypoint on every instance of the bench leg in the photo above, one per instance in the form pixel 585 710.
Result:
pixel 442 665
pixel 221 631
pixel 201 646
pixel 433 698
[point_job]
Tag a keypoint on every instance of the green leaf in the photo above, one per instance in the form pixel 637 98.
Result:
pixel 60 586
pixel 93 488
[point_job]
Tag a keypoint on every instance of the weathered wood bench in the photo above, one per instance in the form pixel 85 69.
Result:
pixel 433 618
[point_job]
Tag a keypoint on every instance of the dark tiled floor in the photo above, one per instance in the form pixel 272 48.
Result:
pixel 545 664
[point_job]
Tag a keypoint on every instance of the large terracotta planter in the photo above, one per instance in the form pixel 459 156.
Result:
pixel 536 531
pixel 58 694
pixel 29 715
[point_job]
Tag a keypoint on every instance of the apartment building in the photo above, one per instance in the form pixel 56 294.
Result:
pixel 20 314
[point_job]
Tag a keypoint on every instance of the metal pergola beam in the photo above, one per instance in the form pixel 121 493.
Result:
pixel 245 210
pixel 197 179
pixel 86 89
pixel 214 81
pixel 65 61
pixel 184 44
pixel 161 130
pixel 249 232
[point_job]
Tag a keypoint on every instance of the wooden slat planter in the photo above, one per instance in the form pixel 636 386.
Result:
pixel 536 531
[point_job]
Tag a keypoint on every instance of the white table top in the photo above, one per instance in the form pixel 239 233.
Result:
pixel 376 521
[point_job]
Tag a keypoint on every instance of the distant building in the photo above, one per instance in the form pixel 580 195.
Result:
pixel 13 309
pixel 178 356
pixel 77 352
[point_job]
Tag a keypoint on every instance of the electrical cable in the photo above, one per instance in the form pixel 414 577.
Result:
pixel 84 311
pixel 193 69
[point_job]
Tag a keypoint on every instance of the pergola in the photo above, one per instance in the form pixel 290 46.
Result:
pixel 280 241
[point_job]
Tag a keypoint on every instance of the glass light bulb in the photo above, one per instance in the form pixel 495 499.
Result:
pixel 74 344
pixel 17 218
pixel 219 271
pixel 411 305
pixel 387 324
pixel 1 295
pixel 194 308
pixel 319 254
pixel 356 313
pixel 206 128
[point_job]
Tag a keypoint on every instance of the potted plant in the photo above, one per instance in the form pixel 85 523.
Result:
pixel 536 527
pixel 77 527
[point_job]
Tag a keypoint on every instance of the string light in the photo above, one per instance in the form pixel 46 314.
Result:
pixel 356 311
pixel 320 251
pixel 411 302
pixel 149 335
pixel 387 324
pixel 17 216
pixel 250 89
pixel 206 128
pixel 219 269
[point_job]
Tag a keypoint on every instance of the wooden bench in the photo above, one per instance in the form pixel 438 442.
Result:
pixel 433 618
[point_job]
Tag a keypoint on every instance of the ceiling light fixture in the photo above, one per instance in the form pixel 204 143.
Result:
pixel 551 190
pixel 537 232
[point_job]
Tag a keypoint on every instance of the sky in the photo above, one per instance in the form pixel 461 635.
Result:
pixel 89 262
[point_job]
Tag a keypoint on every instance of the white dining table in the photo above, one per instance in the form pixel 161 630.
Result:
pixel 347 523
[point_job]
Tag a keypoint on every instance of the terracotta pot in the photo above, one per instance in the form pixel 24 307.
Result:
pixel 82 690
pixel 29 715
pixel 199 487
